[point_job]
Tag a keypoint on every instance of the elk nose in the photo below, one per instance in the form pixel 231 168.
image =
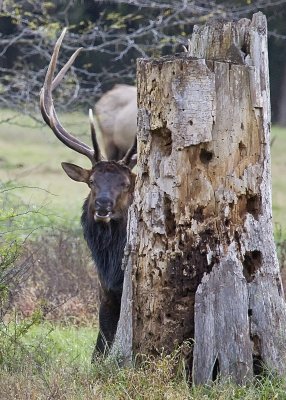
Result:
pixel 103 204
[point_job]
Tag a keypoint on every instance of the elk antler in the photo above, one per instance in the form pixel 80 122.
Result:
pixel 96 148
pixel 49 113
pixel 130 157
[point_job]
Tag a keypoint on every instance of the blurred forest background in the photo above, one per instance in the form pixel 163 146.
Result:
pixel 48 285
pixel 113 34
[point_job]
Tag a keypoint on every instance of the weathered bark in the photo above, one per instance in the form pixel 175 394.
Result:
pixel 201 243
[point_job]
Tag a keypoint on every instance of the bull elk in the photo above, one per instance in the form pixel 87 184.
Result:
pixel 104 216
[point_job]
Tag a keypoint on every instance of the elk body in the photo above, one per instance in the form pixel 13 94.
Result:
pixel 104 216
pixel 116 113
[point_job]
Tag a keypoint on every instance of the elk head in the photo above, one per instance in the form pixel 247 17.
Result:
pixel 111 183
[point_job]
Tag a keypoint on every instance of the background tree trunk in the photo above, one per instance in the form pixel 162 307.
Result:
pixel 201 242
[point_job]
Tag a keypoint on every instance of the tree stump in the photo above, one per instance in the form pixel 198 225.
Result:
pixel 201 260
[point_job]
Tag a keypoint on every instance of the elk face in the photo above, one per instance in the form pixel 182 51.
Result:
pixel 111 188
pixel 111 183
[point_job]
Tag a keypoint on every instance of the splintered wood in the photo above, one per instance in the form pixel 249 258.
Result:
pixel 201 258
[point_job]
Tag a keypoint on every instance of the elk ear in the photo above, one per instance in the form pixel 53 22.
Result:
pixel 76 173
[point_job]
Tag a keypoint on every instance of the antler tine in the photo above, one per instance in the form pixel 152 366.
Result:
pixel 46 102
pixel 130 153
pixel 97 153
pixel 46 95
pixel 65 68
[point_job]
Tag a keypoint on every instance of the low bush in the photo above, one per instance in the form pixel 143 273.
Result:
pixel 48 268
pixel 62 281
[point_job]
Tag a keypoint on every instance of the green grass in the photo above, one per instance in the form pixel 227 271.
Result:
pixel 65 344
pixel 45 344
pixel 53 362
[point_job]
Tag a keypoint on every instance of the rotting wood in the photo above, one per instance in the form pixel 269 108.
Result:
pixel 202 250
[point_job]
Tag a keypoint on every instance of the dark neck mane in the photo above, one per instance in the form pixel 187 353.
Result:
pixel 106 242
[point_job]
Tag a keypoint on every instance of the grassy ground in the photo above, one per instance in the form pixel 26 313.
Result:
pixel 53 362
pixel 31 157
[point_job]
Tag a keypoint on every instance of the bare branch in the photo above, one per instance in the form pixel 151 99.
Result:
pixel 111 44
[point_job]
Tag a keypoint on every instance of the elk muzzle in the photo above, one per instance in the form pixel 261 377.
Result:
pixel 103 209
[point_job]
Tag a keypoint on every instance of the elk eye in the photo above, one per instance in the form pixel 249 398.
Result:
pixel 91 181
pixel 126 185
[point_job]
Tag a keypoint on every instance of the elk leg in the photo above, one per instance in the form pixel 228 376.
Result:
pixel 108 319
